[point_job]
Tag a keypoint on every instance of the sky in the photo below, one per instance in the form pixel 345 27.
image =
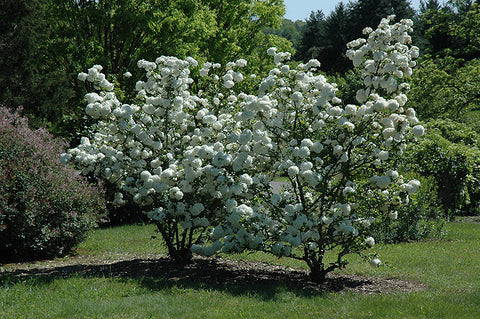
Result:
pixel 300 9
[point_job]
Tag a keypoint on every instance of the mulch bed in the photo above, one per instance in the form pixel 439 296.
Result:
pixel 157 271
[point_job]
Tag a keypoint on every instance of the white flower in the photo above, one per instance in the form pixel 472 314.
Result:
pixel 228 84
pixel 82 76
pixel 217 233
pixel 393 215
pixel 275 199
pixel 245 178
pixel 383 155
pixel 203 72
pixel 375 262
pixel 197 209
pixel 297 96
pixel 317 147
pixel 418 130
pixel 241 63
pixel 348 190
pixel 326 220
pixel 412 186
pixel 127 74
pixel 272 51
pixel 176 193
pixel 370 241
pixel 381 181
pixel 303 152
pixel 293 171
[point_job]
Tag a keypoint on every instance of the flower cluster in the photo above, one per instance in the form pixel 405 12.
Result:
pixel 166 150
pixel 338 158
pixel 204 160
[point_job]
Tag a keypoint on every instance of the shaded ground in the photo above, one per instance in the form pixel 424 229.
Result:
pixel 468 219
pixel 236 277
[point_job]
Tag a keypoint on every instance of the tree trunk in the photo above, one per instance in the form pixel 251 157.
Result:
pixel 318 274
pixel 181 256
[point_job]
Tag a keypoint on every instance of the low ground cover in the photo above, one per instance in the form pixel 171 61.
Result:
pixel 120 273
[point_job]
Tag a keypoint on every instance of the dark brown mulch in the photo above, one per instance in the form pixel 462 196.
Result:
pixel 157 272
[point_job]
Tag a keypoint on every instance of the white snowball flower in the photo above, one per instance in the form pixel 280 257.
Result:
pixel 293 171
pixel 393 215
pixel 375 262
pixel 197 209
pixel 411 187
pixel 418 130
pixel 82 76
pixel 381 181
pixel 326 220
pixel 297 96
pixel 370 241
pixel 383 155
pixel 176 193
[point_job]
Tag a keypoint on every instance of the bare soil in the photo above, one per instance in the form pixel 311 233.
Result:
pixel 212 273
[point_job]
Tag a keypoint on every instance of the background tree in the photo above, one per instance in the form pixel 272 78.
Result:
pixel 325 39
pixel 290 30
pixel 368 13
pixel 311 38
pixel 54 40
pixel 23 29
pixel 446 88
pixel 238 27
pixel 333 43
pixel 451 29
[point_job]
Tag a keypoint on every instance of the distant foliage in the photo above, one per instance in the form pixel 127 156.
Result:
pixel 46 208
pixel 422 218
pixel 291 30
pixel 449 158
pixel 446 87
pixel 451 29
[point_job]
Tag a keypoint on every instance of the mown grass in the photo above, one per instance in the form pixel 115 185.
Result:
pixel 450 269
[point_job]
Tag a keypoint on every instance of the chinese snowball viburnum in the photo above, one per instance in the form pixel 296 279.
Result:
pixel 339 159
pixel 163 149
pixel 202 161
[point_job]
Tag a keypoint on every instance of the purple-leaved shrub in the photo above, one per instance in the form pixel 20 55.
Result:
pixel 46 207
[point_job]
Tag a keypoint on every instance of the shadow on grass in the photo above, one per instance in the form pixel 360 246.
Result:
pixel 259 280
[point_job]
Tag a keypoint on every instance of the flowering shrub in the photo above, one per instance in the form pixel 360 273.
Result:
pixel 339 159
pixel 46 208
pixel 453 168
pixel 421 218
pixel 203 160
pixel 165 153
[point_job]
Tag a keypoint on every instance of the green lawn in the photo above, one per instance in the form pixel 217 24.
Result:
pixel 99 288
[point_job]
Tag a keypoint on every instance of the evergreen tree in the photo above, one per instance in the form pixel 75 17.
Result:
pixel 325 39
pixel 368 13
pixel 334 41
pixel 312 36
pixel 428 5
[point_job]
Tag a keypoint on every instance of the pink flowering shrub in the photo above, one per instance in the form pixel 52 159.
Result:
pixel 46 208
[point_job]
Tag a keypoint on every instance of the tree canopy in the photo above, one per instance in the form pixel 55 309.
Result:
pixel 44 44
